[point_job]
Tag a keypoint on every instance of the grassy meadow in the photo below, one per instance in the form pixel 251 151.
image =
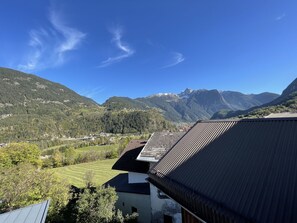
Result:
pixel 82 149
pixel 103 148
pixel 75 173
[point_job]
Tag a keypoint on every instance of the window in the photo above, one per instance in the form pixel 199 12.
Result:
pixel 134 209
pixel 167 218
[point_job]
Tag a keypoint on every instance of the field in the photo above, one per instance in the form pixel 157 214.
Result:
pixel 99 148
pixel 75 173
pixel 103 148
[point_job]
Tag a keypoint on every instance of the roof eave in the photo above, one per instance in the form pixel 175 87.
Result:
pixel 198 205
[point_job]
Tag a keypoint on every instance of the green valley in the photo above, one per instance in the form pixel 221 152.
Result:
pixel 35 109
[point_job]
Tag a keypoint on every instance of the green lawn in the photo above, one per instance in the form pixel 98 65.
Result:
pixel 98 148
pixel 75 173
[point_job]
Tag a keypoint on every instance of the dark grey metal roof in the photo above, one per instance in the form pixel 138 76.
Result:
pixel 282 115
pixel 120 183
pixel 127 160
pixel 31 214
pixel 234 171
pixel 158 144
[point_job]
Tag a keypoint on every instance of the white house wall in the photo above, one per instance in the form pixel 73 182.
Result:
pixel 136 178
pixel 140 201
pixel 159 207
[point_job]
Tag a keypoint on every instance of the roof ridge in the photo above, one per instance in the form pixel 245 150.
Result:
pixel 250 120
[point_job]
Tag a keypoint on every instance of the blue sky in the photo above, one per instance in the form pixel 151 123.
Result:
pixel 135 48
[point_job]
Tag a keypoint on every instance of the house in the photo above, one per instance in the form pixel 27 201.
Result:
pixel 34 213
pixel 233 171
pixel 163 209
pixel 134 192
pixel 132 188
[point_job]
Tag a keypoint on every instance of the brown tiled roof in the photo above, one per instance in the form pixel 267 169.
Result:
pixel 234 171
pixel 158 144
pixel 127 160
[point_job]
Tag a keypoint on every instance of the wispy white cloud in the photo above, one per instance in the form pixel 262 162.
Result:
pixel 177 58
pixel 125 50
pixel 278 18
pixel 72 37
pixel 49 45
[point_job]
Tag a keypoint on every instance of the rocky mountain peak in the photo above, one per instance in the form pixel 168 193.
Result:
pixel 291 88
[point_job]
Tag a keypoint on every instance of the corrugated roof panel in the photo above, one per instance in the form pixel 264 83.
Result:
pixel 158 144
pixel 244 167
pixel 31 214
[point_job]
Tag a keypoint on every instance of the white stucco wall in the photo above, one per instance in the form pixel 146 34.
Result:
pixel 159 207
pixel 136 177
pixel 142 202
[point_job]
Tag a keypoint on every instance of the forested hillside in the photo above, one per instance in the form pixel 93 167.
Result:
pixel 32 108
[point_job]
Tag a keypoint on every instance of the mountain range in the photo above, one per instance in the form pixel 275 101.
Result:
pixel 286 102
pixel 34 108
pixel 191 105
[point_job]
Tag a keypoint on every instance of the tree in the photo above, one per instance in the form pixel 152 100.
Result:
pixel 123 142
pixel 98 205
pixel 89 178
pixel 17 153
pixel 24 184
pixel 69 156
pixel 57 158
